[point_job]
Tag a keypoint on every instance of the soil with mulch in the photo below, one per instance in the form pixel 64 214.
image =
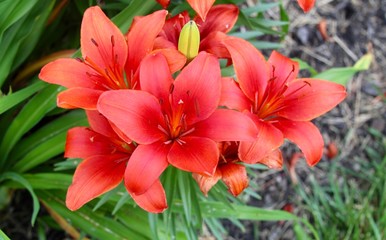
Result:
pixel 354 28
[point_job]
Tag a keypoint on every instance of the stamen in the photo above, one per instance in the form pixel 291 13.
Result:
pixel 171 88
pixel 112 40
pixel 197 108
pixel 162 129
pixel 187 132
pixel 94 42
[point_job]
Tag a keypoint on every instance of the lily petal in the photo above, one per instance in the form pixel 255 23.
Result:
pixel 268 140
pixel 232 97
pixel 145 166
pixel 206 182
pixel 201 7
pixel 226 125
pixel 100 124
pixel 79 97
pixel 306 99
pixel 82 142
pixel 306 135
pixel 102 41
pixel 155 77
pixel 198 87
pixel 251 69
pixel 195 154
pixel 136 113
pixel 273 160
pixel 284 70
pixel 212 43
pixel 141 37
pixel 306 5
pixel 153 200
pixel 93 177
pixel 175 59
pixel 221 18
pixel 69 73
pixel 235 177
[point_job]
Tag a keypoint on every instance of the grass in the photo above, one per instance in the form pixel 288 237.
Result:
pixel 352 205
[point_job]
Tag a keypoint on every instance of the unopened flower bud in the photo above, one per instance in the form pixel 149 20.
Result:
pixel 189 41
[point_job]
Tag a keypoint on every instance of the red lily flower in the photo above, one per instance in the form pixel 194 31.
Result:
pixel 109 61
pixel 233 174
pixel 105 157
pixel 280 105
pixel 174 122
pixel 306 5
pixel 220 18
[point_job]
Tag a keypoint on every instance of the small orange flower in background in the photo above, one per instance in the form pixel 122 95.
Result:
pixel 229 170
pixel 306 5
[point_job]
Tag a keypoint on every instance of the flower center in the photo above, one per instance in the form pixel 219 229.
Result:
pixel 112 76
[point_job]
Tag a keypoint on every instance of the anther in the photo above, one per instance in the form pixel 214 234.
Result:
pixel 112 40
pixel 94 42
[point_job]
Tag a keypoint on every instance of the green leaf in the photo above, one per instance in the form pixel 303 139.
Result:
pixel 11 11
pixel 95 224
pixel 343 75
pixel 29 116
pixel 136 8
pixel 59 126
pixel 18 178
pixel 44 181
pixel 3 236
pixel 12 99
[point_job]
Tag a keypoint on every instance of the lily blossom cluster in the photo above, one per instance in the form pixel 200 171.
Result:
pixel 156 99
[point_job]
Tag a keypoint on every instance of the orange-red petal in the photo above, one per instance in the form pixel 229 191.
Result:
pixel 102 41
pixel 195 154
pixel 93 177
pixel 232 97
pixel 201 7
pixel 306 135
pixel 153 200
pixel 145 166
pixel 141 37
pixel 136 113
pixel 221 18
pixel 79 97
pixel 235 177
pixel 207 182
pixel 306 99
pixel 155 76
pixel 100 124
pixel 251 69
pixel 198 88
pixel 69 73
pixel 269 139
pixel 82 142
pixel 226 125
pixel 284 70
pixel 164 3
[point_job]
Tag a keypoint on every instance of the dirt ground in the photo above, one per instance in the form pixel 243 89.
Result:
pixel 354 27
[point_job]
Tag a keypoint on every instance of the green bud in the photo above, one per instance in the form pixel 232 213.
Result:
pixel 189 41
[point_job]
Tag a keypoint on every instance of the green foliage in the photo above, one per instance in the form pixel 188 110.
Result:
pixel 353 206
